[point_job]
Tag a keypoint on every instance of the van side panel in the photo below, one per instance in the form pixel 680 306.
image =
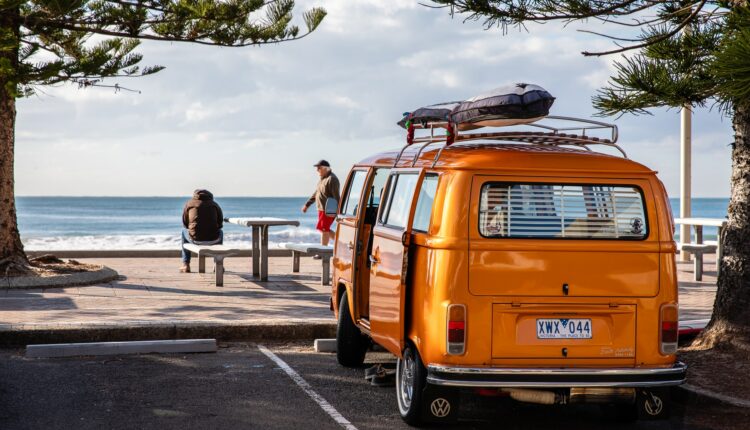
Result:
pixel 438 272
pixel 647 349
pixel 430 292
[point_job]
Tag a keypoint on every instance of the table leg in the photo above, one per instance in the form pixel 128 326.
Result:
pixel 219 267
pixel 698 266
pixel 256 251
pixel 698 270
pixel 295 261
pixel 264 253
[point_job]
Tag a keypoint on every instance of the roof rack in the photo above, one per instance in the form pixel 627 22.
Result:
pixel 554 136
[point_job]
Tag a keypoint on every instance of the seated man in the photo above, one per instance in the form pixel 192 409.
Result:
pixel 203 220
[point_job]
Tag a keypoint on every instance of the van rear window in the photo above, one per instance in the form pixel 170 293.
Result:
pixel 562 211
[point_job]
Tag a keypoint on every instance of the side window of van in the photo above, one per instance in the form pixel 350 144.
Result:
pixel 562 211
pixel 354 192
pixel 426 197
pixel 398 203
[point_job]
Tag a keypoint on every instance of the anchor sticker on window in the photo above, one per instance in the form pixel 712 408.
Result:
pixel 636 225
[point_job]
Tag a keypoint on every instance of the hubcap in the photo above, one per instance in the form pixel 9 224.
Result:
pixel 406 379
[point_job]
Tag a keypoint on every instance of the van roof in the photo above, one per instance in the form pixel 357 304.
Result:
pixel 508 156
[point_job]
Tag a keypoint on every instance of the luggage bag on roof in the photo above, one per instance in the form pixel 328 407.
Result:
pixel 428 114
pixel 508 105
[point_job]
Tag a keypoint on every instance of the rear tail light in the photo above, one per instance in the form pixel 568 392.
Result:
pixel 456 329
pixel 669 324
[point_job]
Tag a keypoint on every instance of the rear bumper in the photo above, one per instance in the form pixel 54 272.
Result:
pixel 556 377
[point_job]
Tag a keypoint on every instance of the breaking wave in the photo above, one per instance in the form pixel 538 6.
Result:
pixel 160 241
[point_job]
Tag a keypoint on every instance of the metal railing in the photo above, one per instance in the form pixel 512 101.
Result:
pixel 554 136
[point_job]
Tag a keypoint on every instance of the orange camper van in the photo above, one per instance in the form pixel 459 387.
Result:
pixel 520 263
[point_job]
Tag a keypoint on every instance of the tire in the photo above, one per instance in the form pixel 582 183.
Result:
pixel 418 402
pixel 351 344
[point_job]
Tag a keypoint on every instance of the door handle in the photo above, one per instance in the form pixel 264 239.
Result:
pixel 374 259
pixel 350 245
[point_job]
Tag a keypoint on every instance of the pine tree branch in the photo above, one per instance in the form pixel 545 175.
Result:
pixel 519 13
pixel 192 39
pixel 652 41
pixel 608 36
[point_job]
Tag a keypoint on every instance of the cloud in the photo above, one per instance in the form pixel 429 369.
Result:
pixel 236 118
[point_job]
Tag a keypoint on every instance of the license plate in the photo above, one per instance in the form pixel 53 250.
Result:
pixel 563 328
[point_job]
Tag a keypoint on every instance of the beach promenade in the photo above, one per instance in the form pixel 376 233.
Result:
pixel 152 300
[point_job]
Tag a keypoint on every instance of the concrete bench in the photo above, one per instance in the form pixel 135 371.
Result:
pixel 218 252
pixel 698 249
pixel 325 253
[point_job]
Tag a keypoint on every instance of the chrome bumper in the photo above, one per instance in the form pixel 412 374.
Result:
pixel 556 377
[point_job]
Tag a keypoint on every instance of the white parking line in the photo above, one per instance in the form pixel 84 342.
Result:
pixel 323 403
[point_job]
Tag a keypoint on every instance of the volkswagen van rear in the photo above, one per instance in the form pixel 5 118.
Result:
pixel 565 261
pixel 571 289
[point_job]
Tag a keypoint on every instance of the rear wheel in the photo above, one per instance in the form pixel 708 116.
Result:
pixel 351 344
pixel 419 402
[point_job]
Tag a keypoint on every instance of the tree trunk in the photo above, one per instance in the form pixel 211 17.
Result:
pixel 730 324
pixel 12 257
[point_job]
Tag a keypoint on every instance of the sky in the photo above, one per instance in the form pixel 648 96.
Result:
pixel 252 121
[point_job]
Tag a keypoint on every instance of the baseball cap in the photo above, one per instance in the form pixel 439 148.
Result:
pixel 323 163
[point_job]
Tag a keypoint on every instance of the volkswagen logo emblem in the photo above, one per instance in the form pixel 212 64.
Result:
pixel 654 405
pixel 440 407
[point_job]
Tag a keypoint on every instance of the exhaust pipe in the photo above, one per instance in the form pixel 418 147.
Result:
pixel 577 395
pixel 534 396
pixel 602 395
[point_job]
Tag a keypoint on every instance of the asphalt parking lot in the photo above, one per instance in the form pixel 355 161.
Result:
pixel 241 387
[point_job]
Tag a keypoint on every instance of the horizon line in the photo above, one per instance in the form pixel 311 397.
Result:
pixel 153 197
pixel 236 196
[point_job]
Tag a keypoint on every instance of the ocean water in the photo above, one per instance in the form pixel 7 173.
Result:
pixel 703 208
pixel 62 223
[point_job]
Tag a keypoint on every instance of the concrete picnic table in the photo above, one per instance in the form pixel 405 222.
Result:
pixel 698 224
pixel 260 227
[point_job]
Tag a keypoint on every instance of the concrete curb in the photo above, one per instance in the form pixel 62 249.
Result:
pixel 101 276
pixel 143 253
pixel 702 394
pixel 21 335
pixel 325 345
pixel 173 346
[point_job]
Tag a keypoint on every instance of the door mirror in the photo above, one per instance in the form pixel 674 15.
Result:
pixel 332 207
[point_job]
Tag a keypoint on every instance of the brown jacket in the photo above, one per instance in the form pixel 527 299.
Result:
pixel 328 188
pixel 202 216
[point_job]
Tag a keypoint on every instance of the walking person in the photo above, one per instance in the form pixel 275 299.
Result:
pixel 203 221
pixel 328 188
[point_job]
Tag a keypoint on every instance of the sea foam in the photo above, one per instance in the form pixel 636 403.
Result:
pixel 160 241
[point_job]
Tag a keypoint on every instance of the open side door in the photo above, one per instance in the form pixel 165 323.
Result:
pixel 350 220
pixel 389 258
